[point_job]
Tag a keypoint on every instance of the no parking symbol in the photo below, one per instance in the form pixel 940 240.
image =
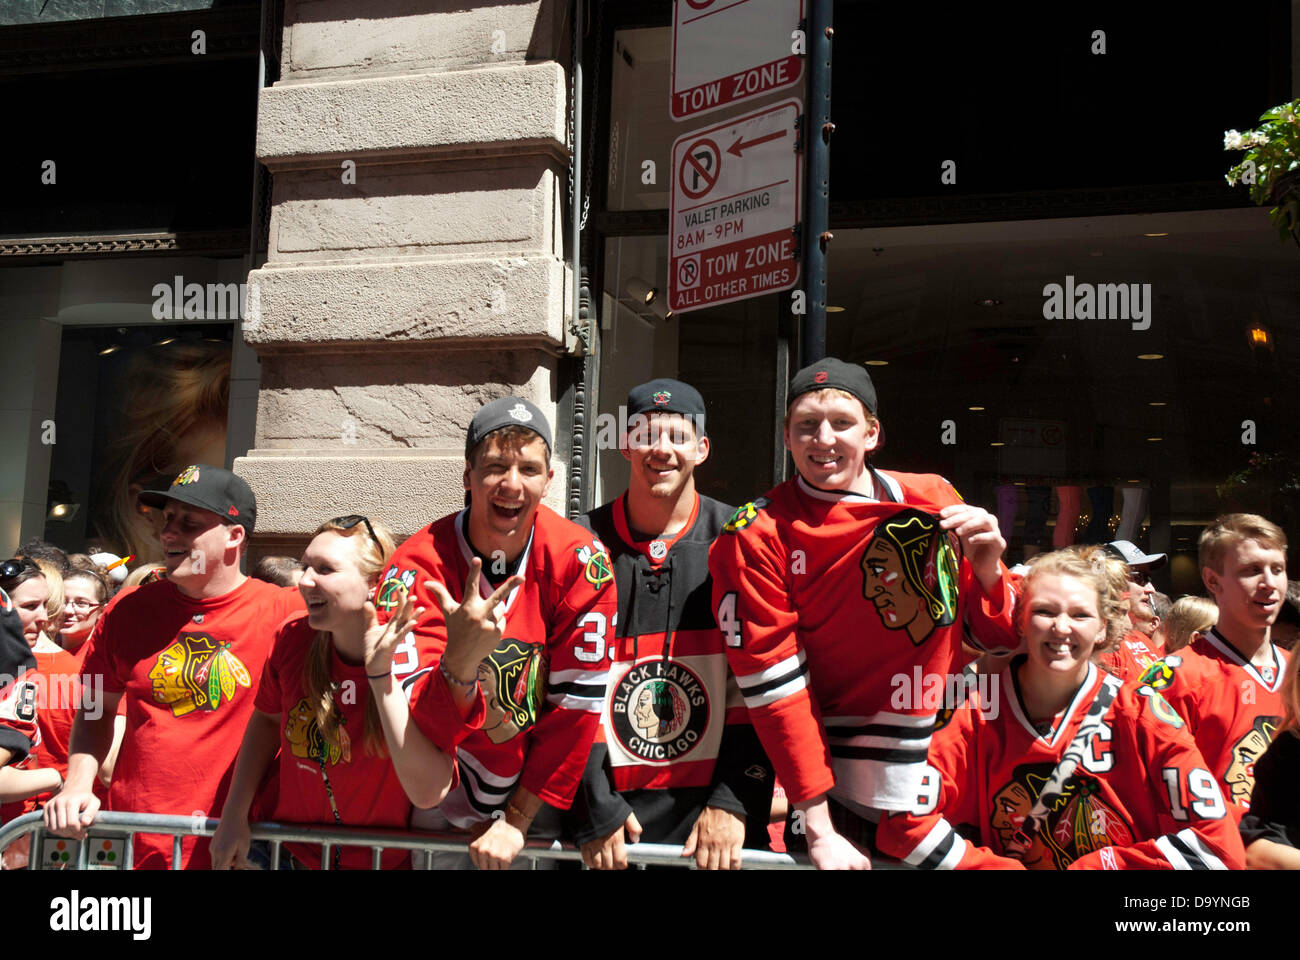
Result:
pixel 688 272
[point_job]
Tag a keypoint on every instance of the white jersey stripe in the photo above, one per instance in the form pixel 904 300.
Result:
pixel 777 693
pixel 1171 854
pixel 1198 847
pixel 771 673
pixel 937 834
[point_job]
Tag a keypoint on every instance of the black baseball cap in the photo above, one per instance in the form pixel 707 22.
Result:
pixel 507 412
pixel 1134 557
pixel 833 374
pixel 209 488
pixel 667 396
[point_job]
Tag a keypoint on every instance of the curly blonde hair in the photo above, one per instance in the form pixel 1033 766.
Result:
pixel 1091 565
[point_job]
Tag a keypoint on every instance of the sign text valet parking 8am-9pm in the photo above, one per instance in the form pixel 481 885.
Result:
pixel 735 203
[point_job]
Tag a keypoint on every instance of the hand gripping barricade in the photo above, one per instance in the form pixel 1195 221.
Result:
pixel 109 843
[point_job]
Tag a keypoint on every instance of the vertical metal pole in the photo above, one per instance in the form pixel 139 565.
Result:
pixel 817 116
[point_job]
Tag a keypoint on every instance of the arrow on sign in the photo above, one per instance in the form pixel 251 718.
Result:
pixel 742 144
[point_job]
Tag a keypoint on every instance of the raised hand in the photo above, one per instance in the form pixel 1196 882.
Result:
pixel 475 626
pixel 381 640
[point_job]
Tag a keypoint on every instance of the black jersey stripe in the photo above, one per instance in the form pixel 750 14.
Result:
pixel 758 689
pixel 408 681
pixel 884 754
pixel 940 851
pixel 580 691
pixel 897 732
pixel 1191 856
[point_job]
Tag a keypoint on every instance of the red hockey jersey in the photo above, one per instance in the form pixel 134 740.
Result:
pixel 1141 799
pixel 1232 707
pixel 542 689
pixel 825 600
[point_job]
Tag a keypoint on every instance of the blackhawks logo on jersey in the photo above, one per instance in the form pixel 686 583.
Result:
pixel 745 515
pixel 389 594
pixel 513 678
pixel 306 740
pixel 1081 820
pixel 187 476
pixel 1161 673
pixel 1160 707
pixel 197 672
pixel 1240 775
pixel 659 711
pixel 598 569
pixel 909 572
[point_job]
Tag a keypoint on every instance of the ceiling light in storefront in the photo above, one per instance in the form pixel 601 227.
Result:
pixel 989 302
pixel 997 443
pixel 835 309
pixel 1157 403
pixel 1154 439
pixel 1155 234
pixel 977 409
pixel 877 363
pixel 111 348
pixel 166 340
pixel 63 511
pixel 1151 356
pixel 640 291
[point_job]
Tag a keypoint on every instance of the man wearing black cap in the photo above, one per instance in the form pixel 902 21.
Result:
pixel 843 594
pixel 187 653
pixel 677 764
pixel 506 668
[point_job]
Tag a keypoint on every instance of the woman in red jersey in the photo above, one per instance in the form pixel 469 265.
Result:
pixel 1064 766
pixel 347 758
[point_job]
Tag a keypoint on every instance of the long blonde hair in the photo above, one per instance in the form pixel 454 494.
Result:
pixel 54 605
pixel 317 682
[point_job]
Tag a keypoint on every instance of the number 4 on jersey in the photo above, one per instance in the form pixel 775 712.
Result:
pixel 728 622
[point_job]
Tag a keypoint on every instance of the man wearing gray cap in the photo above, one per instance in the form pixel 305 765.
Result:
pixel 1137 650
pixel 505 669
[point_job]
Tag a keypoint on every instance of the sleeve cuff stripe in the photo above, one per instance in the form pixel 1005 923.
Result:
pixel 786 666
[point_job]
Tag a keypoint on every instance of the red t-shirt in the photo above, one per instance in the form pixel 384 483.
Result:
pixel 366 789
pixel 189 670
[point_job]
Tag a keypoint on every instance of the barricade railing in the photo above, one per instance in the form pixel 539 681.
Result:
pixel 109 844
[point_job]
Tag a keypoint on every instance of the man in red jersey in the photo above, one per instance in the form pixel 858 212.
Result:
pixel 186 653
pixel 520 721
pixel 840 594
pixel 18 691
pixel 1227 683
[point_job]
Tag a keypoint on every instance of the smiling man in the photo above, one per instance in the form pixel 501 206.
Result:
pixel 186 653
pixel 678 762
pixel 837 582
pixel 545 661
pixel 1227 684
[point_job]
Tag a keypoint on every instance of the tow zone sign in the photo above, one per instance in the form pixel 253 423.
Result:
pixel 735 203
pixel 729 51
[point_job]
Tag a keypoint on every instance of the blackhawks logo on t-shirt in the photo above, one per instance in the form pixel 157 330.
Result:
pixel 197 672
pixel 306 740
pixel 1240 775
pixel 1080 822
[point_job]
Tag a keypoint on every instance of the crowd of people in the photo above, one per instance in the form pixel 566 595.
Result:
pixel 844 666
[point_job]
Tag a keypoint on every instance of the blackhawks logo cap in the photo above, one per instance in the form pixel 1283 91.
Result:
pixel 667 396
pixel 833 374
pixel 506 412
pixel 209 488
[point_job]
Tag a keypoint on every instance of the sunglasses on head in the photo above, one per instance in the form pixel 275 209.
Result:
pixel 351 520
pixel 15 566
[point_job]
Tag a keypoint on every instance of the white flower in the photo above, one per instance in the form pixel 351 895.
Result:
pixel 1255 139
pixel 1232 140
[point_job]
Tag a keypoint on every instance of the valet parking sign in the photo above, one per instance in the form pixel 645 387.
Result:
pixel 735 203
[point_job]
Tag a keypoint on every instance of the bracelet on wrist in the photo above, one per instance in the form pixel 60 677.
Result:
pixel 380 676
pixel 512 809
pixel 468 684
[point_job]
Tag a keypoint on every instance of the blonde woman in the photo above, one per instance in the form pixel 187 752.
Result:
pixel 1271 830
pixel 1064 766
pixel 1188 618
pixel 349 755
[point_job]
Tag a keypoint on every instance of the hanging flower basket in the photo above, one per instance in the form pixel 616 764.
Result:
pixel 1271 166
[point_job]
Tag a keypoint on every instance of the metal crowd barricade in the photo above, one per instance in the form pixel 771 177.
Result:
pixel 51 852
